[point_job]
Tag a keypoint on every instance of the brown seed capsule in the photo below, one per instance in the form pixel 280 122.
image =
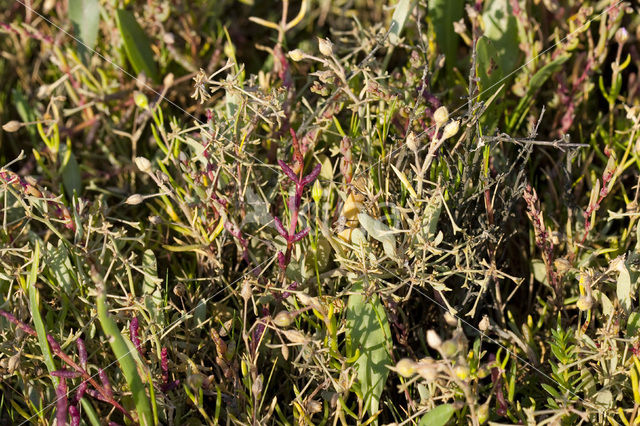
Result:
pixel 12 126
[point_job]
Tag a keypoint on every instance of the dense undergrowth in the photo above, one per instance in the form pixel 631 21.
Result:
pixel 323 212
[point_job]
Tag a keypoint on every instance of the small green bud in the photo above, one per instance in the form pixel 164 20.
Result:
pixel 316 192
pixel 283 319
pixel 406 367
pixel 141 100
pixel 296 55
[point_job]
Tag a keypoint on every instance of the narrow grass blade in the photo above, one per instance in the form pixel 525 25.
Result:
pixel 124 357
pixel 35 314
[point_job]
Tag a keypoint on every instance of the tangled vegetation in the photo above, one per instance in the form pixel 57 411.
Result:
pixel 324 212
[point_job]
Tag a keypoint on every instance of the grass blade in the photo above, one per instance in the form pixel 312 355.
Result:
pixel 123 355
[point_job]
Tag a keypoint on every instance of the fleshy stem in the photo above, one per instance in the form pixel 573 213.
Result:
pixel 300 181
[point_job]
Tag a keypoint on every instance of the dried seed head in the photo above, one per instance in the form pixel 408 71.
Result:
pixel 484 324
pixel 433 339
pixel 296 55
pixel 314 406
pixel 284 319
pixel 256 387
pixel 406 367
pixel 441 116
pixel 12 126
pixel 427 369
pixel 412 142
pixel 246 291
pixel 143 164
pixel 168 80
pixel 134 199
pixel 451 320
pixel 450 129
pixel 325 46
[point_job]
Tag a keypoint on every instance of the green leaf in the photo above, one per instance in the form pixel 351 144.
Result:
pixel 539 271
pixel 57 260
pixel 71 179
pixel 151 288
pixel 537 81
pixel 438 416
pixel 380 232
pixel 633 324
pixel 501 27
pixel 85 18
pixel 442 14
pixel 403 9
pixel 34 308
pixel 123 356
pixel 368 331
pixel 136 44
pixel 623 288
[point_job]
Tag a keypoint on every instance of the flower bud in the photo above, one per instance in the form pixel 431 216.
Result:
pixel 325 46
pixel 141 100
pixel 622 35
pixel 433 339
pixel 134 199
pixel 316 192
pixel 449 348
pixel 296 55
pixel 584 303
pixel 406 367
pixel 461 371
pixel 441 116
pixel 143 164
pixel 427 369
pixel 12 126
pixel 450 129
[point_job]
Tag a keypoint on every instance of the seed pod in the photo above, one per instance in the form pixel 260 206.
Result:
pixel 440 116
pixel 296 55
pixel 134 199
pixel 461 371
pixel 12 126
pixel 325 46
pixel 450 129
pixel 143 164
pixel 284 319
pixel 433 339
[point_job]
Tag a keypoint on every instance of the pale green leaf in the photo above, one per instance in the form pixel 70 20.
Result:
pixel 368 332
pixel 438 416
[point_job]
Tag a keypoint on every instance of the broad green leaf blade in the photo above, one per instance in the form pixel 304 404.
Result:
pixel 438 416
pixel 442 14
pixel 368 331
pixel 136 44
pixel 380 232
pixel 501 27
pixel 623 288
pixel 403 9
pixel 123 356
pixel 34 309
pixel 85 18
